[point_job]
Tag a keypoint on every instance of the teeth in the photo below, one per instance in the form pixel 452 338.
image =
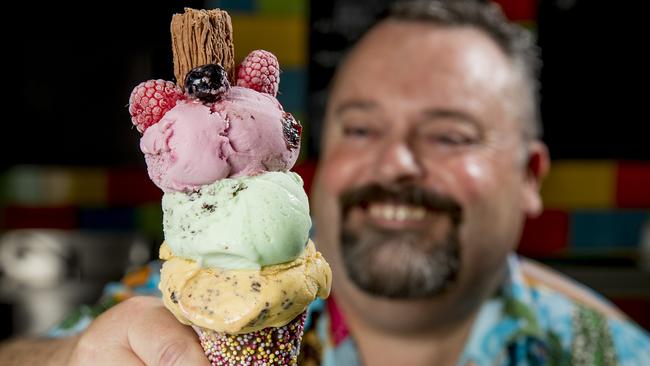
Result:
pixel 389 212
pixel 418 213
pixel 400 213
pixel 397 212
pixel 375 211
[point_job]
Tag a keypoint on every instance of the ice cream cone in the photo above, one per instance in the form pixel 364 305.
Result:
pixel 269 346
pixel 239 265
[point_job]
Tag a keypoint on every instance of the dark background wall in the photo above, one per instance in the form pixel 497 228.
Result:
pixel 71 74
pixel 73 68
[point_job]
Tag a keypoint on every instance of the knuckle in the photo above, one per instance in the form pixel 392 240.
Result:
pixel 85 350
pixel 138 303
pixel 171 353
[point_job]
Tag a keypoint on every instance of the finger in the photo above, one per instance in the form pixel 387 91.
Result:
pixel 122 358
pixel 93 352
pixel 157 338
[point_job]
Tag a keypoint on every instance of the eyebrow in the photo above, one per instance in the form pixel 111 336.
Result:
pixel 355 104
pixel 453 114
pixel 429 114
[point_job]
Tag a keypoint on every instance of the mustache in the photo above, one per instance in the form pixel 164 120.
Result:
pixel 410 194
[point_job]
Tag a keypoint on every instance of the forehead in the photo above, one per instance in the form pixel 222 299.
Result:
pixel 417 62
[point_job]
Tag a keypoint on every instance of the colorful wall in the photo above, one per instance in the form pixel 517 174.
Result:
pixel 597 210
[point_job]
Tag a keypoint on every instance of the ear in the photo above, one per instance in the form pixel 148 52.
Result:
pixel 536 165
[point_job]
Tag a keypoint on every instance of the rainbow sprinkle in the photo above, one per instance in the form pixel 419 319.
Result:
pixel 266 347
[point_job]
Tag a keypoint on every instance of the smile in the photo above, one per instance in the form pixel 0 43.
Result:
pixel 397 215
pixel 396 212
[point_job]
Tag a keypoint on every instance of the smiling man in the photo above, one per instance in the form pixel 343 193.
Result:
pixel 431 162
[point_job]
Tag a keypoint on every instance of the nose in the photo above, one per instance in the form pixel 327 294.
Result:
pixel 398 163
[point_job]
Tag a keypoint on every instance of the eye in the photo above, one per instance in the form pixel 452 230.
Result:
pixel 451 139
pixel 360 130
pixel 356 131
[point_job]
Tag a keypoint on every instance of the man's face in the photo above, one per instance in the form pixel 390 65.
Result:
pixel 424 177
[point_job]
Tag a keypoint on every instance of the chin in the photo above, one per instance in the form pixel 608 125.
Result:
pixel 401 315
pixel 401 264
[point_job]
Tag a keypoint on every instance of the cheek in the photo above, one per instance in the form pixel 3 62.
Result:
pixel 490 202
pixel 493 171
pixel 485 186
pixel 474 179
pixel 478 176
pixel 342 170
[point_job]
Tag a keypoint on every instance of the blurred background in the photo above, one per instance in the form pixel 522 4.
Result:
pixel 77 208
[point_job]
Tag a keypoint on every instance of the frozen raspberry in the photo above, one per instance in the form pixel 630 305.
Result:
pixel 150 100
pixel 207 83
pixel 260 71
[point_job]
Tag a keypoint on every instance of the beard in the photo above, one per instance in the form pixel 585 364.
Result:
pixel 400 264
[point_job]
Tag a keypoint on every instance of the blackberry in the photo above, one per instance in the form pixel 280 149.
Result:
pixel 292 131
pixel 207 83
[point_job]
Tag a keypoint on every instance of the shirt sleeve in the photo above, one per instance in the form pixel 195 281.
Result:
pixel 142 281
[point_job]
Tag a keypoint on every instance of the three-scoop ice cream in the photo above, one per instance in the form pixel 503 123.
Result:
pixel 237 253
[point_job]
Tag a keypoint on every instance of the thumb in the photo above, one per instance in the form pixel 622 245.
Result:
pixel 157 338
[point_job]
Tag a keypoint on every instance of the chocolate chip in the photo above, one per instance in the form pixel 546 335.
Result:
pixel 286 304
pixel 238 188
pixel 261 316
pixel 208 207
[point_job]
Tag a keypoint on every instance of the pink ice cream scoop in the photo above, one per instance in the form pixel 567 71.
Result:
pixel 243 133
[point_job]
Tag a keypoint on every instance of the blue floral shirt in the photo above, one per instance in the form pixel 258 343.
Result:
pixel 526 323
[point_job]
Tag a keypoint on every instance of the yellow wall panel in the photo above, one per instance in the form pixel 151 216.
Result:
pixel 89 186
pixel 580 184
pixel 286 37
